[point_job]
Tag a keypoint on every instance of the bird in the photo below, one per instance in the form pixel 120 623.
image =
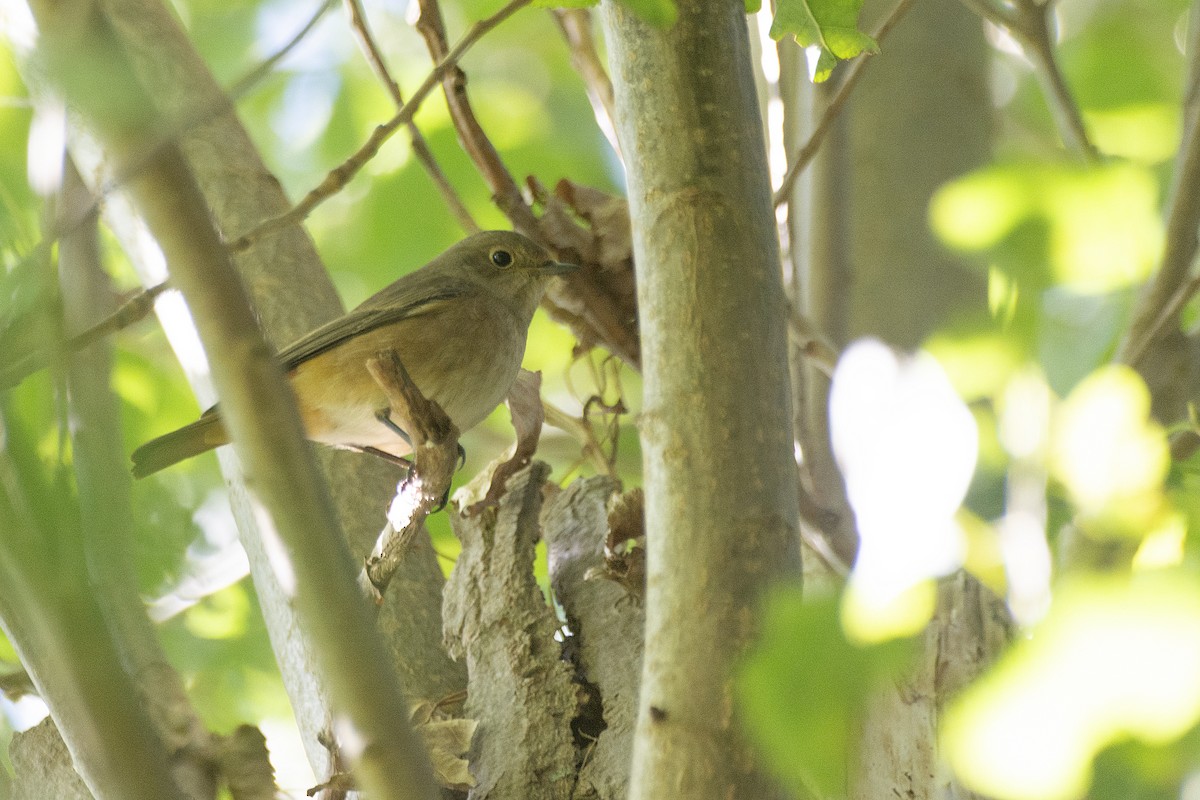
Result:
pixel 459 325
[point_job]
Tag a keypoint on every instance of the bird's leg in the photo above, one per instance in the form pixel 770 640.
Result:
pixel 391 459
pixel 384 415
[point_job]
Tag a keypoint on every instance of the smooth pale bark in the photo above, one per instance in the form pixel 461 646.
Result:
pixel 720 479
pixel 103 484
pixel 288 496
pixel 819 279
pixel 292 294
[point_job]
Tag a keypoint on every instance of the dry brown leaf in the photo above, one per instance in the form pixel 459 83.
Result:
pixel 525 406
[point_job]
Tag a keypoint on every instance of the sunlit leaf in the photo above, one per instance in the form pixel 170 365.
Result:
pixel 661 13
pixel 565 3
pixel 221 615
pixel 1115 657
pixel 828 26
pixel 1148 133
pixel 1109 454
pixel 1101 225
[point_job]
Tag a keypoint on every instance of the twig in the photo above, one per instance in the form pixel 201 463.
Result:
pixel 581 430
pixel 1028 21
pixel 239 88
pixel 371 51
pixel 133 310
pixel 812 344
pixel 1034 29
pixel 576 27
pixel 435 455
pixel 525 407
pixel 505 192
pixel 805 154
pixel 1171 289
pixel 341 175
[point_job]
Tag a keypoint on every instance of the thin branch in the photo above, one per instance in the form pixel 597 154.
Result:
pixel 1034 30
pixel 1028 21
pixel 804 155
pixel 135 309
pixel 1172 289
pixel 374 56
pixel 576 27
pixel 996 12
pixel 580 430
pixel 813 345
pixel 341 175
pixel 423 490
pixel 505 192
pixel 251 78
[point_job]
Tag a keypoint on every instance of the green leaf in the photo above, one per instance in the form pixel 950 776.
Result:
pixel 830 25
pixel 660 13
pixel 565 3
pixel 802 688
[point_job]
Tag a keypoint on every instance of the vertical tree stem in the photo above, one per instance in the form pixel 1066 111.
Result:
pixel 721 508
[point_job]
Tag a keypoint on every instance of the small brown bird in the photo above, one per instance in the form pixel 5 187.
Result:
pixel 459 325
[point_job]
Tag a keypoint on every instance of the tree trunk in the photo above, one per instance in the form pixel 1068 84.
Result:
pixel 720 479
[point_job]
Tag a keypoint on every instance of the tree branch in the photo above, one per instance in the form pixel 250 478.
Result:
pixel 576 27
pixel 1028 21
pixel 721 523
pixel 258 408
pixel 805 154
pixel 1160 307
pixel 338 177
pixel 371 51
pixel 106 516
pixel 505 192
pixel 435 455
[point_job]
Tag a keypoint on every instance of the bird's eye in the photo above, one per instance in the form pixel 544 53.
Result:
pixel 501 258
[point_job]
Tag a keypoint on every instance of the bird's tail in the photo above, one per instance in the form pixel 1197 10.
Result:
pixel 191 440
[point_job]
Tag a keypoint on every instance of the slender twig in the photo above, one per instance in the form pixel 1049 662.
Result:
pixel 341 175
pixel 813 346
pixel 133 310
pixel 804 155
pixel 576 27
pixel 1171 289
pixel 374 56
pixel 435 454
pixel 241 86
pixel 990 10
pixel 1034 29
pixel 1028 21
pixel 505 192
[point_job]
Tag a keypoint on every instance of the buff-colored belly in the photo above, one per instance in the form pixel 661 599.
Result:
pixel 339 399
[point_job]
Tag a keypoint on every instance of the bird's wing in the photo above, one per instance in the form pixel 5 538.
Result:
pixel 390 305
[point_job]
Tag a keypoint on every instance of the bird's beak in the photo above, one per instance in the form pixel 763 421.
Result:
pixel 556 268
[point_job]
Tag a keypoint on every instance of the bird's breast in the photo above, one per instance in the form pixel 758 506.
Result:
pixel 466 362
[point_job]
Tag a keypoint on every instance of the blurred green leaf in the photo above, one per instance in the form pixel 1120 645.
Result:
pixel 660 13
pixel 803 686
pixel 565 3
pixel 829 25
pixel 1116 657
